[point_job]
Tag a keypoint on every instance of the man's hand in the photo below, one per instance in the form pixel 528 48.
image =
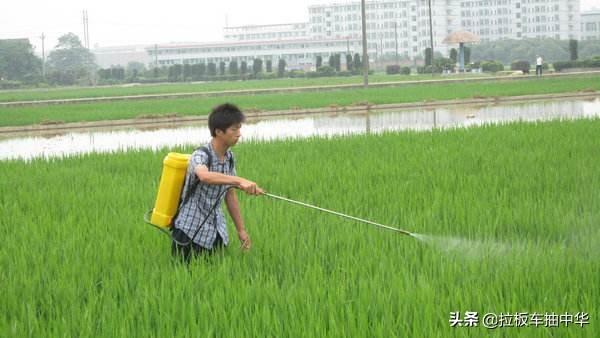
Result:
pixel 245 241
pixel 250 187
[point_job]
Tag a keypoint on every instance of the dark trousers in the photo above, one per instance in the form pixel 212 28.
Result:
pixel 183 248
pixel 538 70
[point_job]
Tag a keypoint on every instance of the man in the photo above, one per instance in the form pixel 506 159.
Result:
pixel 538 66
pixel 199 226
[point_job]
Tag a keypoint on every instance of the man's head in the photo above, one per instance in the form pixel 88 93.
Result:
pixel 225 122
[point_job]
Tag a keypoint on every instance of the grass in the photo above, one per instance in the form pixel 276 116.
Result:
pixel 169 88
pixel 17 116
pixel 522 198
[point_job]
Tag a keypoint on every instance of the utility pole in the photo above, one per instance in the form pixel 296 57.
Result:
pixel 431 35
pixel 347 44
pixel 381 44
pixel 155 55
pixel 43 57
pixel 85 30
pixel 364 45
pixel 396 37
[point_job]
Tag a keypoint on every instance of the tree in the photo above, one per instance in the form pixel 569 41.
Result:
pixel 428 56
pixel 453 55
pixel 589 49
pixel 187 71
pixel 222 68
pixel 507 51
pixel 269 66
pixel 349 62
pixel 331 62
pixel 337 62
pixel 467 55
pixel 244 68
pixel 573 49
pixel 70 60
pixel 211 69
pixel 175 73
pixel 17 61
pixel 233 68
pixel 357 62
pixel 134 68
pixel 257 66
pixel 281 68
pixel 319 61
pixel 198 71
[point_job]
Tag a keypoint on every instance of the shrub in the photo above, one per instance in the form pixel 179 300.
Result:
pixel 560 65
pixel 520 65
pixel 428 70
pixel 296 73
pixel 593 62
pixel 492 66
pixel 9 84
pixel 326 71
pixel 392 69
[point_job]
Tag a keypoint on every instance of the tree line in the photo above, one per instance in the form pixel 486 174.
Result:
pixel 70 63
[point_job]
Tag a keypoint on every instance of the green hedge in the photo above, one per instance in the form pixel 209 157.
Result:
pixel 589 63
pixel 521 65
pixel 491 66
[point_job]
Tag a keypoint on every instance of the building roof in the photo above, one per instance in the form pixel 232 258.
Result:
pixel 267 25
pixel 248 43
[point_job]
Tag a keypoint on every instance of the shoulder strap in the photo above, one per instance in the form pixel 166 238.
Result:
pixel 231 162
pixel 205 150
pixel 195 181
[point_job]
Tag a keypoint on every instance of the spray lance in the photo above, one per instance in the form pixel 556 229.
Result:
pixel 401 231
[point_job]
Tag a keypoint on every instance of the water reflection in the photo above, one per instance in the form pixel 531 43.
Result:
pixel 53 145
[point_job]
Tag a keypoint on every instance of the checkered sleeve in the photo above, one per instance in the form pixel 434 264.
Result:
pixel 198 158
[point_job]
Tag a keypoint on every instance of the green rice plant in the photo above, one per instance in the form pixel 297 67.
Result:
pixel 508 215
pixel 169 88
pixel 17 116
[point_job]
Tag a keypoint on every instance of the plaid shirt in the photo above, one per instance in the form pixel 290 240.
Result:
pixel 195 209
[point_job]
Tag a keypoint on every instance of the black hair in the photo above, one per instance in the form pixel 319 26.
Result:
pixel 224 116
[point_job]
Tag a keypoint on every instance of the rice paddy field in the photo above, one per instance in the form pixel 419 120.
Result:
pixel 167 88
pixel 27 115
pixel 507 218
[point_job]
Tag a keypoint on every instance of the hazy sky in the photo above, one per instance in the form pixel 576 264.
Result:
pixel 113 23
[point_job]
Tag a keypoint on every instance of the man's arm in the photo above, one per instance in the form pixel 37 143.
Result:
pixel 210 177
pixel 233 207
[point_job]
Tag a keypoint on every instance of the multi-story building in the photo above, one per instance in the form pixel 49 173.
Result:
pixel 394 28
pixel 516 19
pixel 284 31
pixel 590 25
pixel 391 25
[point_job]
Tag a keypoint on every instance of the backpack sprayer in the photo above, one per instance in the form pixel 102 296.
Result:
pixel 169 196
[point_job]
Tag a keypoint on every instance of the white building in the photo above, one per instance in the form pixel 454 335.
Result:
pixel 391 24
pixel 298 53
pixel 590 25
pixel 514 19
pixel 284 31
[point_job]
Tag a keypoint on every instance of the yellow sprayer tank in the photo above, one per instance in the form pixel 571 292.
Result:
pixel 169 190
